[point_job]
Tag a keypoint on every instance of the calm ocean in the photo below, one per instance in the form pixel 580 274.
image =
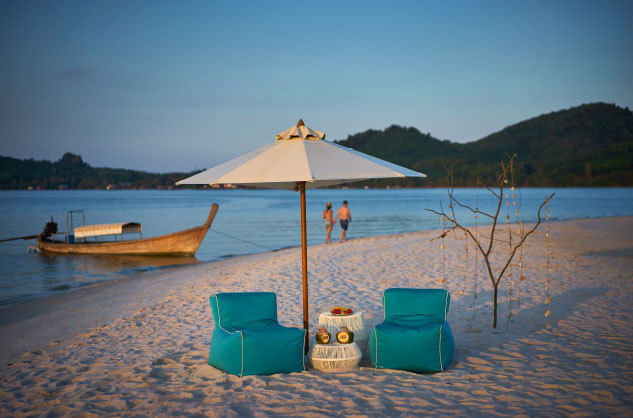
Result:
pixel 248 221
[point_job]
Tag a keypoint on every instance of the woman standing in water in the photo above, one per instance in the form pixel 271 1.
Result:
pixel 327 215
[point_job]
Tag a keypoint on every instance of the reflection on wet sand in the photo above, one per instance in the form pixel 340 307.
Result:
pixel 81 270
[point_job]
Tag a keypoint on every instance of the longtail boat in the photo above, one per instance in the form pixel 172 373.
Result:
pixel 183 243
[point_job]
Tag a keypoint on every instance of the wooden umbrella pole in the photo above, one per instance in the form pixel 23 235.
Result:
pixel 304 261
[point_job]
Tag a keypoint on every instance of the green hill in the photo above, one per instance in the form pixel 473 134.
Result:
pixel 72 172
pixel 588 145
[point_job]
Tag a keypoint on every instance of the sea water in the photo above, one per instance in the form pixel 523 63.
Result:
pixel 248 221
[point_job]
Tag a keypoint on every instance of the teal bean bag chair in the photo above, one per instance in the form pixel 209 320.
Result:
pixel 415 335
pixel 247 338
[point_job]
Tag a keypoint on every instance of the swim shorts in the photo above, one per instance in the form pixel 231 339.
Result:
pixel 344 224
pixel 328 223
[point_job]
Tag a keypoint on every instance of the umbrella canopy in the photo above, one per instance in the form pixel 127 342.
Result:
pixel 300 159
pixel 300 154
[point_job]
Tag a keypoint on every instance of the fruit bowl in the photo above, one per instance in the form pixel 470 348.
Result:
pixel 341 310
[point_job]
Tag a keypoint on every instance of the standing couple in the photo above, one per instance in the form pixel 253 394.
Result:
pixel 345 216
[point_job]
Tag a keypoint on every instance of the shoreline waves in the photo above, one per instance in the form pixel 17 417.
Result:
pixel 140 346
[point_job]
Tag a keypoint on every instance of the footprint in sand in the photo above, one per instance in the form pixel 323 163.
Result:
pixel 478 361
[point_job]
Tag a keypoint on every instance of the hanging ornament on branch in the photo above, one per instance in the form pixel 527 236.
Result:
pixel 510 278
pixel 466 271
pixel 486 245
pixel 476 268
pixel 443 279
pixel 548 239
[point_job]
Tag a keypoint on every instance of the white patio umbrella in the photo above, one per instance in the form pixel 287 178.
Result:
pixel 300 159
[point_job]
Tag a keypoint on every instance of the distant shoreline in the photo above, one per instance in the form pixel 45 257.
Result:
pixel 176 188
pixel 583 146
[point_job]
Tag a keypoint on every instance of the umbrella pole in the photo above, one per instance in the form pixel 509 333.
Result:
pixel 304 262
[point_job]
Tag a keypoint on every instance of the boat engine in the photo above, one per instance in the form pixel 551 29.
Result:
pixel 49 229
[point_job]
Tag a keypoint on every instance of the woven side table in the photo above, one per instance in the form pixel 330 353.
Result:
pixel 354 322
pixel 335 357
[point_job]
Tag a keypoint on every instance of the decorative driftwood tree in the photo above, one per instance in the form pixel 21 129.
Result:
pixel 486 245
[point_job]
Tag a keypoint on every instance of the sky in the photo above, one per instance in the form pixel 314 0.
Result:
pixel 165 86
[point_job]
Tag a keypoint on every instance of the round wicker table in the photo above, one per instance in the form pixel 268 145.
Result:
pixel 335 357
pixel 354 322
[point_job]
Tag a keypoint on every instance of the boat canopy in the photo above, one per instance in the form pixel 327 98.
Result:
pixel 107 229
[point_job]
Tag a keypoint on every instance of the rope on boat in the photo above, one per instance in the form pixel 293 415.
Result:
pixel 246 241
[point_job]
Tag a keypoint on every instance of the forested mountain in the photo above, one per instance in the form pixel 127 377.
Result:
pixel 72 172
pixel 588 145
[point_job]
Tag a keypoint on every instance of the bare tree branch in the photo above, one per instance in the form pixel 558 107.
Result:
pixel 517 246
pixel 502 181
pixel 492 191
pixel 471 209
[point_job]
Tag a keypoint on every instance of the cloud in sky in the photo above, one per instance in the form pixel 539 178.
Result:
pixel 161 86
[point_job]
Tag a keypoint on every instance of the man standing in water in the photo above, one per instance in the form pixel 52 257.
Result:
pixel 346 217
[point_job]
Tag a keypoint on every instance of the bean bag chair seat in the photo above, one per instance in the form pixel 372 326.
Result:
pixel 415 335
pixel 248 339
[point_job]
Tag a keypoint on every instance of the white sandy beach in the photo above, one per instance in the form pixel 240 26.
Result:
pixel 139 347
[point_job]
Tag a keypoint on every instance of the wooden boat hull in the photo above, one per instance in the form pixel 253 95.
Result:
pixel 183 243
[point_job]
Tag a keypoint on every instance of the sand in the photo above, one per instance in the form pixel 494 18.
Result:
pixel 139 347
